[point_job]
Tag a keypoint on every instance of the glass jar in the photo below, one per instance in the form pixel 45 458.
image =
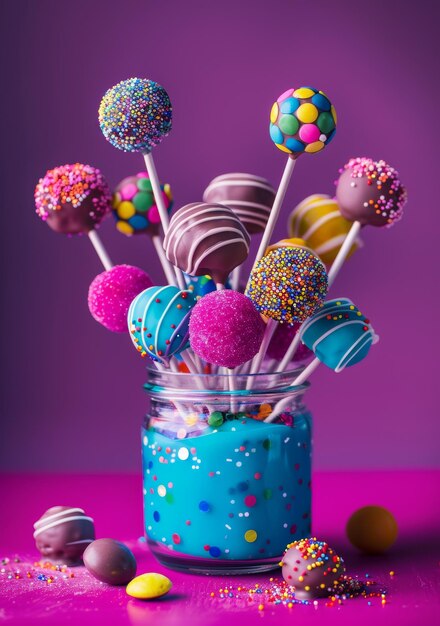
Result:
pixel 225 491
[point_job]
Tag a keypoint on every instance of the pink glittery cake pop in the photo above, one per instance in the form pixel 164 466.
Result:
pixel 225 328
pixel 281 340
pixel 111 293
pixel 72 199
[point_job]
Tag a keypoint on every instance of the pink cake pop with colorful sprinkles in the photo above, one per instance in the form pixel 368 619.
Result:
pixel 111 293
pixel 72 199
pixel 225 328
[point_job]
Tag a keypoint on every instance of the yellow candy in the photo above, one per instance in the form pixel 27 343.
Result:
pixel 126 210
pixel 307 113
pixel 283 148
pixel 303 92
pixel 316 146
pixel 124 227
pixel 147 586
pixel 318 221
pixel 274 113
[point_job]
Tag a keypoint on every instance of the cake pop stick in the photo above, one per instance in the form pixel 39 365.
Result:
pixel 206 239
pixel 136 213
pixel 73 200
pixel 339 335
pixel 368 192
pixel 301 120
pixel 135 115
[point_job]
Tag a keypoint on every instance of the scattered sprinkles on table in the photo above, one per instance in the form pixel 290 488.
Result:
pixel 302 120
pixel 72 199
pixel 135 115
pixel 288 284
pixel 370 192
pixel 134 207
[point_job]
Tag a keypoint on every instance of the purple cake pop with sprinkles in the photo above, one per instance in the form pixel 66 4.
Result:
pixel 135 115
pixel 370 192
pixel 225 328
pixel 111 293
pixel 72 199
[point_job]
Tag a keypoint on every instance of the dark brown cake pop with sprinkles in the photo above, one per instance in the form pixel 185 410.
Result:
pixel 312 568
pixel 370 192
pixel 63 533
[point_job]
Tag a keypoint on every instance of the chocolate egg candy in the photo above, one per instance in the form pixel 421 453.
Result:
pixel 312 568
pixel 110 562
pixel 62 534
pixel 372 529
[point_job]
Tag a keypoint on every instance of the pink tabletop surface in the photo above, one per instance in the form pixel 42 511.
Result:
pixel 115 501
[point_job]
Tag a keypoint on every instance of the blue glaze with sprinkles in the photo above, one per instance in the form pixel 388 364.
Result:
pixel 195 502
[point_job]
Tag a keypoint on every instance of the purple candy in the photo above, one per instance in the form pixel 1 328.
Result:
pixel 282 338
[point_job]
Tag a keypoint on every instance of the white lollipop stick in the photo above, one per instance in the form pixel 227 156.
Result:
pixel 166 265
pixel 163 213
pixel 231 383
pixel 235 278
pixel 290 352
pixel 258 358
pixel 100 250
pixel 277 204
pixel 299 380
pixel 344 251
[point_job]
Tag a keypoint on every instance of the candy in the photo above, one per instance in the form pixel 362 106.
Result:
pixel 318 220
pixel 250 197
pixel 312 568
pixel 135 115
pixel 135 208
pixel 206 239
pixel 281 340
pixel 288 284
pixel 147 586
pixel 302 120
pixel 370 192
pixel 72 199
pixel 339 335
pixel 62 534
pixel 158 321
pixel 110 562
pixel 225 328
pixel 372 529
pixel 111 293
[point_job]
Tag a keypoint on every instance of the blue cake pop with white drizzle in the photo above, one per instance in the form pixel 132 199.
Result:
pixel 339 334
pixel 158 321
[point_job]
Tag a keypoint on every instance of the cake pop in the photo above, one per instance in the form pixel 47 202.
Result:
pixel 225 328
pixel 288 284
pixel 372 529
pixel 206 239
pixel 62 534
pixel 134 207
pixel 301 121
pixel 199 285
pixel 158 321
pixel 312 567
pixel 281 340
pixel 250 197
pixel 339 335
pixel 111 293
pixel 318 220
pixel 368 192
pixel 73 199
pixel 135 115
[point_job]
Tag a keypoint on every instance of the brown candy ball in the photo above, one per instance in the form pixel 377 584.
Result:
pixel 372 529
pixel 312 568
pixel 110 562
pixel 62 534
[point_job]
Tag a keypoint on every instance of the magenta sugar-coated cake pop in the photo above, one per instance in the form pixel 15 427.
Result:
pixel 370 192
pixel 225 328
pixel 206 239
pixel 111 293
pixel 72 199
pixel 281 340
pixel 135 208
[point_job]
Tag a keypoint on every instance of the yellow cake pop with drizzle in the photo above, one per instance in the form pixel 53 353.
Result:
pixel 318 221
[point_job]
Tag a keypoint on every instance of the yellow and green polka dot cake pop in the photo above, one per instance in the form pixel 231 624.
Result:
pixel 317 219
pixel 302 120
pixel 135 208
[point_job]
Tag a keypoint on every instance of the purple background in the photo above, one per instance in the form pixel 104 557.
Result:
pixel 73 398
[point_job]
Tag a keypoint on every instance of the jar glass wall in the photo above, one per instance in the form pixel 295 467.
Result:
pixel 225 491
